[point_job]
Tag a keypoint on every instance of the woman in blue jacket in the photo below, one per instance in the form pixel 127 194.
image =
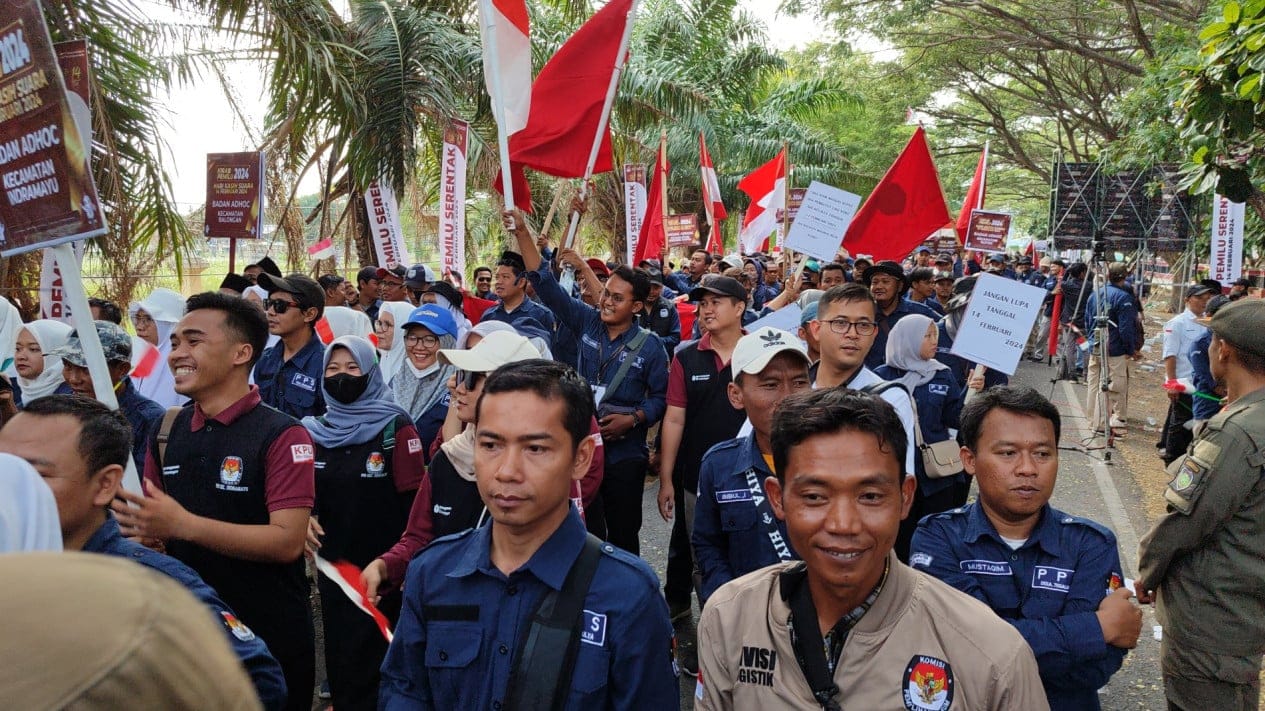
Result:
pixel 911 361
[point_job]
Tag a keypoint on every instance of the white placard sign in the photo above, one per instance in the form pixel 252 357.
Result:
pixel 822 220
pixel 785 318
pixel 998 320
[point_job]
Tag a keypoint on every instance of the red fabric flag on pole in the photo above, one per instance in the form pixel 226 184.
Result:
pixel 766 187
pixel 907 205
pixel 712 203
pixel 652 240
pixel 974 195
pixel 567 101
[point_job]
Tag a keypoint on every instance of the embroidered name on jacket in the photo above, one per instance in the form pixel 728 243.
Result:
pixel 756 666
pixel 985 567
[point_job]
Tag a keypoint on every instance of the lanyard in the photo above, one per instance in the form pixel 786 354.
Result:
pixel 766 515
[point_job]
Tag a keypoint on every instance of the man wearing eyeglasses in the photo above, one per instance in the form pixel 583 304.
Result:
pixel 289 373
pixel 391 283
pixel 846 325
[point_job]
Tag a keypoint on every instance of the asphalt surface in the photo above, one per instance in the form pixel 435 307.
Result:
pixel 1087 486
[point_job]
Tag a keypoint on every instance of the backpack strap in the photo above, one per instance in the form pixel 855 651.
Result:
pixel 388 436
pixel 634 348
pixel 540 677
pixel 880 388
pixel 164 432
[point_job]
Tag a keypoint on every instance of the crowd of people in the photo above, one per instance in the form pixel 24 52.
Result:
pixel 478 459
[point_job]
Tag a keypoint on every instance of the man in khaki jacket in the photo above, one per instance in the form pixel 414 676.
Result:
pixel 851 622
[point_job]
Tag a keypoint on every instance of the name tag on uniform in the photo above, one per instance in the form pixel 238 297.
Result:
pixel 594 630
pixel 700 378
pixel 985 567
pixel 1047 577
pixel 732 495
pixel 938 389
pixel 306 382
pixel 663 313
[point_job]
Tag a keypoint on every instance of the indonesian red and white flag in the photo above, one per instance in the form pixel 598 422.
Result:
pixel 507 57
pixel 766 186
pixel 347 577
pixel 145 358
pixel 321 250
pixel 711 196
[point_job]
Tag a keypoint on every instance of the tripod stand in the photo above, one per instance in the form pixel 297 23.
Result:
pixel 1100 382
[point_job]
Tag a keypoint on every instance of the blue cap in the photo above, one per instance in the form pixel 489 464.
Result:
pixel 434 319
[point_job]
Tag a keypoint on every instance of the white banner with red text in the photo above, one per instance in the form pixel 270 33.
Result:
pixel 1226 261
pixel 452 200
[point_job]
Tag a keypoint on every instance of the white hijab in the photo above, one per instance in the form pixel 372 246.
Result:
pixel 394 358
pixel 483 329
pixel 10 322
pixel 49 334
pixel 166 307
pixel 28 511
pixel 344 321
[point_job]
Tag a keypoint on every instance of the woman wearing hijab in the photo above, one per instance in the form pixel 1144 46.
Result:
pixel 10 322
pixel 911 352
pixel 447 296
pixel 154 318
pixel 39 373
pixel 390 331
pixel 420 386
pixel 28 511
pixel 368 468
pixel 482 331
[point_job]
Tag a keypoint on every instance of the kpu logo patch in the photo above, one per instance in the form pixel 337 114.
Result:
pixel 237 627
pixel 375 465
pixel 928 684
pixel 231 471
pixel 300 453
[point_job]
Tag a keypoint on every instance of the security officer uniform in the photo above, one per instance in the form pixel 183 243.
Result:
pixel 293 386
pixel 735 531
pixel 1049 589
pixel 264 671
pixel 920 645
pixel 1206 559
pixel 463 620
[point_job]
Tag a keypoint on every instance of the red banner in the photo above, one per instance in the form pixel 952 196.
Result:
pixel 234 195
pixel 46 192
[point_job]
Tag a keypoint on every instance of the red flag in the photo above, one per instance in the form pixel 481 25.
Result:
pixel 907 205
pixel 566 105
pixel 766 186
pixel 324 331
pixel 347 577
pixel 145 358
pixel 712 203
pixel 652 240
pixel 974 195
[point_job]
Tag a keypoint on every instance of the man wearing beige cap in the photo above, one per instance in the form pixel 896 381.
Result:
pixel 1201 563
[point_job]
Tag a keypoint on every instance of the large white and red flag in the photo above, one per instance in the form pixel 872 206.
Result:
pixel 711 196
pixel 347 577
pixel 766 186
pixel 507 61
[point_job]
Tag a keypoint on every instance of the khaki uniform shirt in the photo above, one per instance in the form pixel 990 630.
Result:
pixel 1206 556
pixel 922 646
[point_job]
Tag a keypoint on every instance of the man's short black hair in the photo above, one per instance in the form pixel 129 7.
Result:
pixel 329 281
pixel 922 274
pixel 1077 270
pixel 550 380
pixel 105 437
pixel 846 293
pixel 513 260
pixel 639 278
pixel 832 266
pixel 831 410
pixel 1019 399
pixel 245 321
pixel 107 310
pixel 482 269
pixel 707 256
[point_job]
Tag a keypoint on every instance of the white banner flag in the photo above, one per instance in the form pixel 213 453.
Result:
pixel 452 208
pixel 1226 263
pixel 384 225
pixel 53 301
pixel 634 205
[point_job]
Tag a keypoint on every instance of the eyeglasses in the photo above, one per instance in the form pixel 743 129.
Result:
pixel 469 378
pixel 381 325
pixel 390 284
pixel 842 325
pixel 279 306
pixel 427 341
pixel 141 320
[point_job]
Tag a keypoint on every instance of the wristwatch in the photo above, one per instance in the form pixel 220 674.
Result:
pixel 636 419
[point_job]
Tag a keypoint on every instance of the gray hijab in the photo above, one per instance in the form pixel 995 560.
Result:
pixel 904 343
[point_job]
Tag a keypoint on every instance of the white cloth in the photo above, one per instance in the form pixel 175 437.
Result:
pixel 10 322
pixel 50 335
pixel 344 321
pixel 393 358
pixel 28 511
pixel 1180 333
pixel 166 308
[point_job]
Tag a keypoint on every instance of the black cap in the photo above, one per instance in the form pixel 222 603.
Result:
pixel 236 282
pixel 269 266
pixel 398 271
pixel 719 285
pixel 306 292
pixel 656 276
pixel 1060 262
pixel 1242 281
pixel 448 291
pixel 996 258
pixel 944 258
pixel 1197 290
pixel 888 267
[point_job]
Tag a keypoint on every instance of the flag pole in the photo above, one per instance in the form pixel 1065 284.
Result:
pixel 660 162
pixel 609 102
pixel 487 15
pixel 707 204
pixel 983 181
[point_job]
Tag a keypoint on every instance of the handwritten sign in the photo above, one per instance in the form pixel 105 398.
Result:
pixel 998 320
pixel 822 220
pixel 987 231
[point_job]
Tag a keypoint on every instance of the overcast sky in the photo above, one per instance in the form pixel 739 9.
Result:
pixel 202 122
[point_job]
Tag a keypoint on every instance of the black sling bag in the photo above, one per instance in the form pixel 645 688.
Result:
pixel 807 640
pixel 541 675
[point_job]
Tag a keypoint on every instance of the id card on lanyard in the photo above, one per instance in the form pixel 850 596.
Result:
pixel 767 520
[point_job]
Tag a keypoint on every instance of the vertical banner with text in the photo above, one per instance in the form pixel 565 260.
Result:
pixel 1226 261
pixel 384 225
pixel 634 205
pixel 234 195
pixel 46 192
pixel 452 209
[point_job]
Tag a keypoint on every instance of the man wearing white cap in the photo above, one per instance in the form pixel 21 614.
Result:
pixel 735 531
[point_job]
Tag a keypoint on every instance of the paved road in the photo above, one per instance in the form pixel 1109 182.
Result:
pixel 1086 487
